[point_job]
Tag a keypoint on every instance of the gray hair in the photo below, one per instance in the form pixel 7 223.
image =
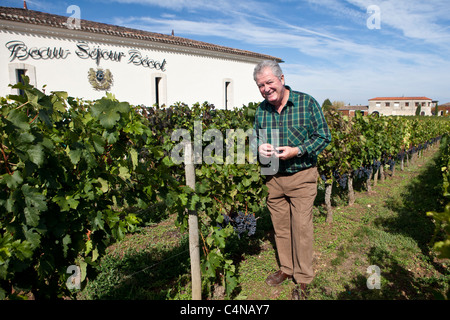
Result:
pixel 273 65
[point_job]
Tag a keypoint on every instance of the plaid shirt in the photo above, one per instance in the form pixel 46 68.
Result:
pixel 301 124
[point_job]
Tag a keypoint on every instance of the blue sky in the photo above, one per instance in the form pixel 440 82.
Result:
pixel 328 49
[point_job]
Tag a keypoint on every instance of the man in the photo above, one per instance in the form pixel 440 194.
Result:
pixel 295 132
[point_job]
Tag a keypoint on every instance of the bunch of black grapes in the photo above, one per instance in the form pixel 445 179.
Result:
pixel 391 164
pixel 241 223
pixel 363 173
pixel 341 179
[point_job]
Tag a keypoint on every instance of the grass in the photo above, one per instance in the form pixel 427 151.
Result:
pixel 150 264
pixel 387 228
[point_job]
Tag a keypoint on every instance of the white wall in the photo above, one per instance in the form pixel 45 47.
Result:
pixel 190 78
pixel 401 109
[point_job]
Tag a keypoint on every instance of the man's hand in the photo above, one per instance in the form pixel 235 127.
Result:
pixel 284 153
pixel 287 152
pixel 266 150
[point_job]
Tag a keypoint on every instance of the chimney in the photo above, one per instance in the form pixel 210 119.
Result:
pixel 25 5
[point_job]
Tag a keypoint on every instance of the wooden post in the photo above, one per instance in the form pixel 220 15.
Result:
pixel 194 248
pixel 351 191
pixel 328 191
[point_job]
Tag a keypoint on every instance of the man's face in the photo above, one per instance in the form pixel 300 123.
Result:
pixel 271 87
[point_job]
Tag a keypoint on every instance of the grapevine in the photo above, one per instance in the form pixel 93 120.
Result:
pixel 241 223
pixel 362 145
pixel 75 176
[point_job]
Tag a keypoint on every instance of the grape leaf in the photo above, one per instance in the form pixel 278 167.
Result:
pixel 12 181
pixel 36 154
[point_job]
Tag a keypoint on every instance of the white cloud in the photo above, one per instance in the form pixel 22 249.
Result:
pixel 320 45
pixel 416 19
pixel 336 62
pixel 226 7
pixel 170 4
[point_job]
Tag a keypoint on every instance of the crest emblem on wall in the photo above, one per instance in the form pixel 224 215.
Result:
pixel 100 79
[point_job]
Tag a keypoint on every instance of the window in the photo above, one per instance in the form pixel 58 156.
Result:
pixel 20 73
pixel 378 104
pixel 158 89
pixel 388 104
pixel 396 104
pixel 406 104
pixel 228 94
pixel 16 71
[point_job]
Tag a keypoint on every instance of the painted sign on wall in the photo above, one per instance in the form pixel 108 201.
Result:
pixel 20 51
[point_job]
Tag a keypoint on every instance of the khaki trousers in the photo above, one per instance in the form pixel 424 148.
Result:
pixel 290 202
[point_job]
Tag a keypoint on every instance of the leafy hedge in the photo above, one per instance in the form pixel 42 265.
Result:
pixel 73 176
pixel 442 219
pixel 76 175
pixel 364 147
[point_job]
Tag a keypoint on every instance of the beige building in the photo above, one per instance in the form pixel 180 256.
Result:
pixel 401 106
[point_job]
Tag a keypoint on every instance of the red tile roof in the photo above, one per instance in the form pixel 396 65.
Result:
pixel 56 21
pixel 400 98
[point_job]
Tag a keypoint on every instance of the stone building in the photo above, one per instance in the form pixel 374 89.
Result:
pixel 405 106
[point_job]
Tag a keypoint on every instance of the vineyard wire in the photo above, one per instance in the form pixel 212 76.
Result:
pixel 155 264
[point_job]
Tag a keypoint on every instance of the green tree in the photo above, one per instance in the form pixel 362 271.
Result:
pixel 418 110
pixel 326 105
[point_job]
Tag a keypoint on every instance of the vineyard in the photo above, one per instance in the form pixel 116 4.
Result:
pixel 77 176
pixel 442 245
